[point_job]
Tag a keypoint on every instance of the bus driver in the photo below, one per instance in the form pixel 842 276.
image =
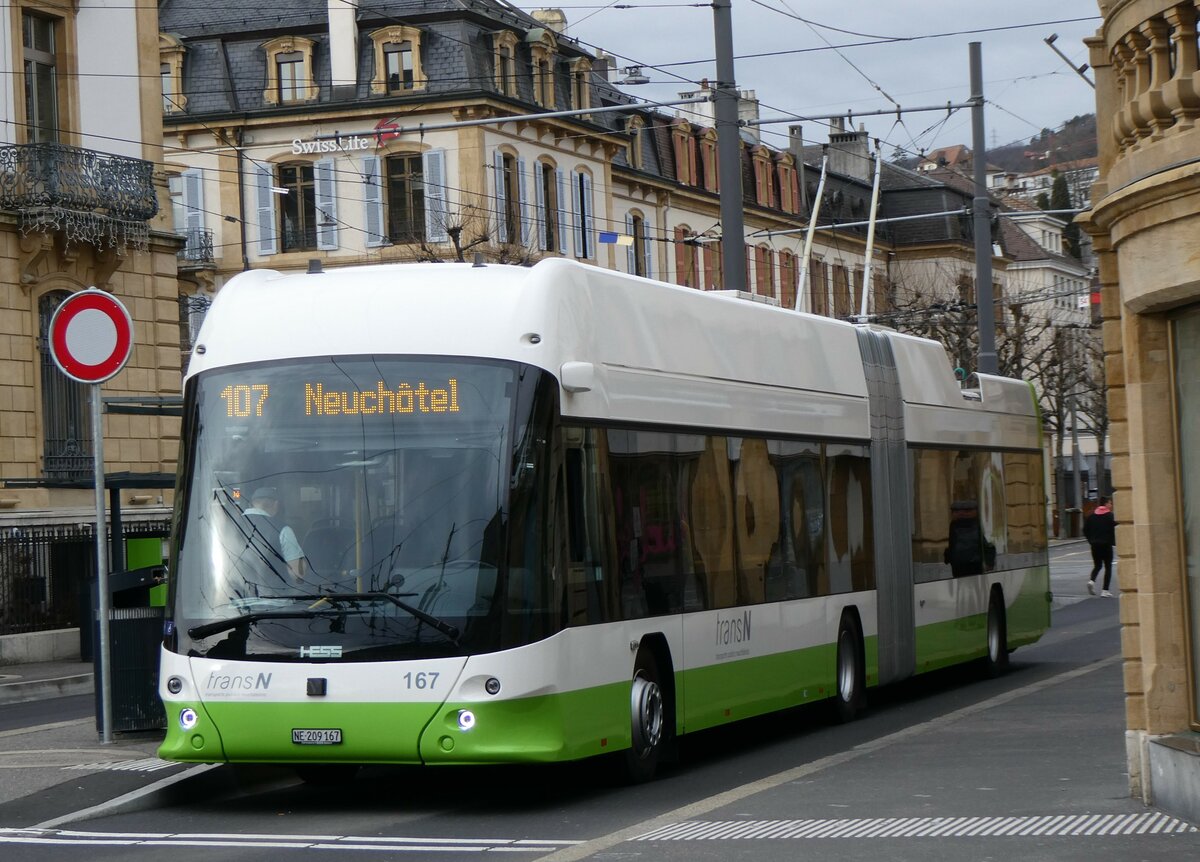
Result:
pixel 264 506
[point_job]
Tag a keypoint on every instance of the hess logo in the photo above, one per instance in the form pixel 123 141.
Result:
pixel 320 652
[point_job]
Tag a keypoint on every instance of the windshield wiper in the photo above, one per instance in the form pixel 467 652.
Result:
pixel 438 625
pixel 203 631
pixel 213 628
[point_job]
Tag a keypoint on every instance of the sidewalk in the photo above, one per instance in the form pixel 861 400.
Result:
pixel 22 683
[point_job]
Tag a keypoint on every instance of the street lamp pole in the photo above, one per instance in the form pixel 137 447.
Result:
pixel 729 158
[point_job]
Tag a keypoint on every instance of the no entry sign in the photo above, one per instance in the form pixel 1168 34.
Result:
pixel 91 336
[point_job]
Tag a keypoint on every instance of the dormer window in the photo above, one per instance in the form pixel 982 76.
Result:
pixel 290 74
pixel 289 71
pixel 543 48
pixel 581 83
pixel 170 67
pixel 505 46
pixel 397 61
pixel 635 127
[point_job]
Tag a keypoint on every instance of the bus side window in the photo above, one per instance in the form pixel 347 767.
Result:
pixel 590 581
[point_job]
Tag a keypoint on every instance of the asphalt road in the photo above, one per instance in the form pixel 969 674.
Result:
pixel 1029 766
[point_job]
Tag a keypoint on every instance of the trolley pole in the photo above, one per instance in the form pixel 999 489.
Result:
pixel 988 363
pixel 729 145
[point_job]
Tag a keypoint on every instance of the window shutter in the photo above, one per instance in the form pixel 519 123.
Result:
pixel 630 250
pixel 373 201
pixel 589 235
pixel 577 222
pixel 193 199
pixel 326 195
pixel 268 234
pixel 523 197
pixel 647 249
pixel 564 224
pixel 434 167
pixel 498 174
pixel 540 214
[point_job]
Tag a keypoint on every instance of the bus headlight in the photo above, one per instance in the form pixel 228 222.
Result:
pixel 466 720
pixel 188 718
pixel 492 686
pixel 174 685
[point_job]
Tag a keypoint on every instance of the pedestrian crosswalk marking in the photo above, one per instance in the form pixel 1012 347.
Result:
pixel 1140 823
pixel 145 764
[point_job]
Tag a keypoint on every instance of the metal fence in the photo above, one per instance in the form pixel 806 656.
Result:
pixel 45 573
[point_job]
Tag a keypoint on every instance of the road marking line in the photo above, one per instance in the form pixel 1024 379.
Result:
pixel 410 844
pixel 1055 825
pixel 703 806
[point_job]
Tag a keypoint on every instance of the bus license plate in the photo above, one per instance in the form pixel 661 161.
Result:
pixel 317 736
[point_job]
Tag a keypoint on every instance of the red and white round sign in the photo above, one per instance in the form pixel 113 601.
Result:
pixel 91 336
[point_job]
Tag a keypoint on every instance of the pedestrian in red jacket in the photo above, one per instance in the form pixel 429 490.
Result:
pixel 1100 529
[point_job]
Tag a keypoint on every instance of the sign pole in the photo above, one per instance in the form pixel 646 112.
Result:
pixel 104 600
pixel 91 339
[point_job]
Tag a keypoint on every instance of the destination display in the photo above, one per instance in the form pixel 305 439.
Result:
pixel 249 400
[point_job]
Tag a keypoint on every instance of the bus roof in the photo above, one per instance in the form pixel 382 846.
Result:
pixel 623 347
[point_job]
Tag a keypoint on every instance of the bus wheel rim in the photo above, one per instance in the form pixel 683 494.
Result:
pixel 647 714
pixel 846 670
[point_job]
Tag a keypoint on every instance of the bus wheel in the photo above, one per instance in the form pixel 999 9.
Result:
pixel 647 716
pixel 996 660
pixel 327 774
pixel 850 684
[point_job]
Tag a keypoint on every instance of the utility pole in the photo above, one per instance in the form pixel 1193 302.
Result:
pixel 729 146
pixel 980 207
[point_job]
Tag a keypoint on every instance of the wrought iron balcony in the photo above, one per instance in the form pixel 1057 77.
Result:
pixel 98 198
pixel 198 253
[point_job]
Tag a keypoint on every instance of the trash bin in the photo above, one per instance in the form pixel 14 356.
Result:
pixel 134 638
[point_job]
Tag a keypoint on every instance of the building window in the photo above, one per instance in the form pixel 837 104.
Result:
pixel 298 207
pixel 708 158
pixel 787 279
pixel 170 58
pixel 549 184
pixel 66 410
pixel 635 127
pixel 543 48
pixel 289 71
pixel 685 153
pixel 685 257
pixel 510 198
pixel 640 252
pixel 581 193
pixel 397 60
pixel 405 198
pixel 581 83
pixel 41 79
pixel 290 74
pixel 505 48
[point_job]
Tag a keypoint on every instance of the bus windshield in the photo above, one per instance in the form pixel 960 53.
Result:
pixel 347 508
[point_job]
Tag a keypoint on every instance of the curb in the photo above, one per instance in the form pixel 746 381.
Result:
pixel 44 689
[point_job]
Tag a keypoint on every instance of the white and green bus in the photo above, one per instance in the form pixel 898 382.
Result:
pixel 455 514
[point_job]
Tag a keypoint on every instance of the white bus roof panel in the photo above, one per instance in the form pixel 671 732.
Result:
pixel 659 352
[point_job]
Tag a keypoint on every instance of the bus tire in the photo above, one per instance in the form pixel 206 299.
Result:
pixel 995 660
pixel 648 710
pixel 849 684
pixel 327 774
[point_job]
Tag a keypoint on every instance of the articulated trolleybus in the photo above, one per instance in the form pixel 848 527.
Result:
pixel 455 514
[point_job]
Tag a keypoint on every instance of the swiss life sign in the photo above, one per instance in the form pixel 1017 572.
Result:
pixel 91 336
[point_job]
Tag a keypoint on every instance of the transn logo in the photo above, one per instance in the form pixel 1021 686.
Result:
pixel 320 652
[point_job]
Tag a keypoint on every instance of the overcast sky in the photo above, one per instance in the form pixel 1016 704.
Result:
pixel 1028 86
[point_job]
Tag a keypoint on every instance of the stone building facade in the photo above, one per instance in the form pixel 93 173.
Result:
pixel 1145 220
pixel 83 203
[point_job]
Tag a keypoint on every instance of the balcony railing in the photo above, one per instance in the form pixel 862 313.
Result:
pixel 198 253
pixel 96 198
